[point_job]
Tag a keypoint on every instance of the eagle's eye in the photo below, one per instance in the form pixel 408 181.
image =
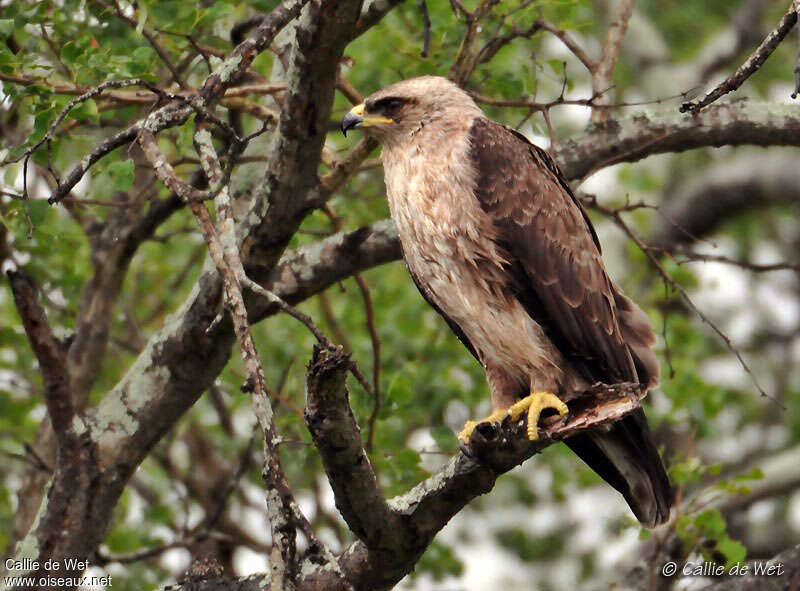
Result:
pixel 389 104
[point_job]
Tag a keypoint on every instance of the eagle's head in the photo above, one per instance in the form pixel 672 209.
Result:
pixel 396 112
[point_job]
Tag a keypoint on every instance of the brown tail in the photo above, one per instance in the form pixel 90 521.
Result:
pixel 626 457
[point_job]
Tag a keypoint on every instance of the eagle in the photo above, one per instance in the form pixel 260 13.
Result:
pixel 497 243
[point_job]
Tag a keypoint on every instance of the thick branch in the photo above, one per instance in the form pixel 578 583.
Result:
pixel 338 439
pixel 426 509
pixel 645 134
pixel 281 201
pixel 726 190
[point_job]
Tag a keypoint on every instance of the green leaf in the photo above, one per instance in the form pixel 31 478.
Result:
pixel 733 550
pixel 6 26
pixel 711 523
pixel 86 111
pixel 37 210
pixel 160 514
pixel 121 173
pixel 72 52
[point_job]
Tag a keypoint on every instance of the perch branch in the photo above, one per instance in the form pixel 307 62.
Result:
pixel 407 524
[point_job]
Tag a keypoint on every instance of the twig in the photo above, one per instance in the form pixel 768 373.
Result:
pixel 751 64
pixel 56 53
pixel 797 69
pixel 570 43
pixel 592 101
pixel 603 70
pixel 344 168
pixel 149 35
pixel 91 93
pixel 373 13
pixel 283 515
pixel 376 357
pixel 165 172
pixel 260 89
pixel 691 257
pixel 354 369
pixel 426 28
pixel 616 217
pixel 227 75
pixel 333 324
pixel 344 86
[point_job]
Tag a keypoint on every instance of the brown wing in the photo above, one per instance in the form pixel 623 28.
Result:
pixel 559 276
pixel 557 265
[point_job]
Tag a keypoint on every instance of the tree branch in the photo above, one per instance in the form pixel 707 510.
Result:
pixel 725 191
pixel 337 436
pixel 417 516
pixel 372 14
pixel 632 138
pixel 752 64
pixel 602 73
pixel 50 354
pixel 225 76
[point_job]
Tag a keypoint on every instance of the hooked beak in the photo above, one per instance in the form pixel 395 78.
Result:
pixel 353 119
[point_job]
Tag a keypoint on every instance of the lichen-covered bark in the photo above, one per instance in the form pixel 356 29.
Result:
pixel 644 134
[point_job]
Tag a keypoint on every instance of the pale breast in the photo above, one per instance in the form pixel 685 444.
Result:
pixel 448 243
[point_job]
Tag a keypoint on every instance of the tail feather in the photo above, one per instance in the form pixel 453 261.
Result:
pixel 626 457
pixel 639 337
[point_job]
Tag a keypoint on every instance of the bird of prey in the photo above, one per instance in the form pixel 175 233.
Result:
pixel 499 246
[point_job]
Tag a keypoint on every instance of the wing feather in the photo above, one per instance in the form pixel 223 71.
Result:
pixel 557 259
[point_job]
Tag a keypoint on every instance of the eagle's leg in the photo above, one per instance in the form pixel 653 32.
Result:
pixel 535 403
pixel 496 417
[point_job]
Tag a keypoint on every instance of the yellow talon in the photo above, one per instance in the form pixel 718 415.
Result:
pixel 469 426
pixel 535 403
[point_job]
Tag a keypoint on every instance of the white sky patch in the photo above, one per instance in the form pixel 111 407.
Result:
pixel 176 560
pixel 246 562
pixel 793 512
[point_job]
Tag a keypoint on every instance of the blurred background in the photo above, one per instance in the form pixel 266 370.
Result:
pixel 720 222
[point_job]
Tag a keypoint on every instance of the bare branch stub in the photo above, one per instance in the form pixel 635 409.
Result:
pixel 752 63
pixel 337 436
